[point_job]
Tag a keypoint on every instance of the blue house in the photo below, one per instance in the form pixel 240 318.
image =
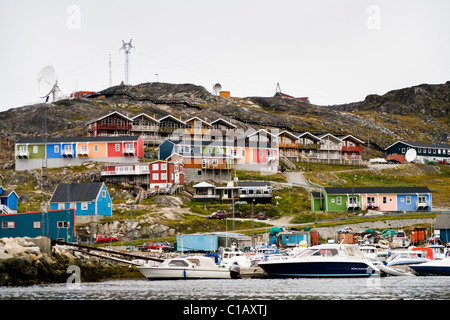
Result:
pixel 88 199
pixel 57 225
pixel 8 201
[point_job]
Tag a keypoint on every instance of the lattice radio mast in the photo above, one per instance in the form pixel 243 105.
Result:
pixel 127 48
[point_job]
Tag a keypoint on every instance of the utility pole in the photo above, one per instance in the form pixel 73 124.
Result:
pixel 110 72
pixel 127 48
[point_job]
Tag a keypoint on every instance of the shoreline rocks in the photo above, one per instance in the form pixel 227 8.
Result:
pixel 23 263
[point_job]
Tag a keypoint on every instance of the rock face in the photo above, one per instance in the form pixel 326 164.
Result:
pixel 22 262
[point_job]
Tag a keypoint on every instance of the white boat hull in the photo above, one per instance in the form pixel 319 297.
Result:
pixel 161 273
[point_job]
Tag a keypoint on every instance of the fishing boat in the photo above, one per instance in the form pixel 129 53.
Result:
pixel 232 256
pixel 400 240
pixel 434 267
pixel 325 260
pixel 193 267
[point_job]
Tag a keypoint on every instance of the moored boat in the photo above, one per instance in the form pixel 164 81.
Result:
pixel 193 267
pixel 434 267
pixel 326 260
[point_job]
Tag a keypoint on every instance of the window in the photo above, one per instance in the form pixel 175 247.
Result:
pixel 56 149
pixel 129 147
pixel 36 224
pixel 403 150
pixel 260 153
pixel 63 224
pixel 243 153
pixel 155 166
pixel 338 201
pixel 163 176
pixel 163 166
pixel 384 199
pixel 84 206
pixel 73 205
pixel 95 147
pixel 422 199
pixel 8 224
pixel 117 146
pixel 61 206
pixel 84 148
pixel 155 176
pixel 35 149
pixel 408 200
pixel 371 200
pixel 104 193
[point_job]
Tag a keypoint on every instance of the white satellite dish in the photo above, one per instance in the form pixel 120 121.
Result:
pixel 46 81
pixel 217 87
pixel 410 155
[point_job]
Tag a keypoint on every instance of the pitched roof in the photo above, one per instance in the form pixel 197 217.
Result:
pixel 79 139
pixel 110 114
pixel 253 183
pixel 422 145
pixel 77 192
pixel 442 221
pixel 402 190
pixel 223 121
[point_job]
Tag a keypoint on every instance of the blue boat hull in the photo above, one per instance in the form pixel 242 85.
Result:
pixel 318 269
pixel 431 271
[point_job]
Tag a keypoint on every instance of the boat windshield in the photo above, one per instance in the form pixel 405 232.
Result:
pixel 178 263
pixel 323 252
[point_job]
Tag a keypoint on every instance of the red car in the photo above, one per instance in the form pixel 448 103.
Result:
pixel 217 215
pixel 106 239
pixel 157 245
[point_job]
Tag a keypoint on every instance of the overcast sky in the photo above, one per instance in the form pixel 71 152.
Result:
pixel 330 51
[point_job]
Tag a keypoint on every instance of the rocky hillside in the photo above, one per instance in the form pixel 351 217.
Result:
pixel 418 113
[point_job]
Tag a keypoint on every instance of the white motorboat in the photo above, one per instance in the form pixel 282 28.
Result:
pixel 433 267
pixel 193 267
pixel 406 257
pixel 265 252
pixel 326 260
pixel 396 270
pixel 232 256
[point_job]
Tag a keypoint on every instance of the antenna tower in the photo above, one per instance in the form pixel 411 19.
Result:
pixel 127 48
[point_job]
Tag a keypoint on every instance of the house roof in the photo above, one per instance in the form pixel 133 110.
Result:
pixel 442 221
pixel 350 137
pixel 309 135
pixel 110 114
pixel 146 116
pixel 77 192
pixel 172 118
pixel 223 121
pixel 197 118
pixel 7 193
pixel 204 185
pixel 421 145
pixel 322 136
pixel 356 190
pixel 253 184
pixel 79 139
pixel 288 134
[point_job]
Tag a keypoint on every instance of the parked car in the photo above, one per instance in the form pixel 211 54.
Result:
pixel 156 245
pixel 106 239
pixel 262 216
pixel 217 215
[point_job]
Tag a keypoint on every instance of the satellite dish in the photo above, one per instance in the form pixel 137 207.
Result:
pixel 46 81
pixel 410 155
pixel 217 87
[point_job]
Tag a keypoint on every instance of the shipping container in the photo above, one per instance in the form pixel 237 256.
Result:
pixel 197 242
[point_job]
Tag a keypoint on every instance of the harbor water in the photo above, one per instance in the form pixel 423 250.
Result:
pixel 374 288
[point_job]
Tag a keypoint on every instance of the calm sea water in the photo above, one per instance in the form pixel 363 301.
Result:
pixel 376 288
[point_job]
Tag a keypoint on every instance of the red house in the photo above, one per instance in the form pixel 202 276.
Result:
pixel 159 176
pixel 352 148
pixel 113 124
